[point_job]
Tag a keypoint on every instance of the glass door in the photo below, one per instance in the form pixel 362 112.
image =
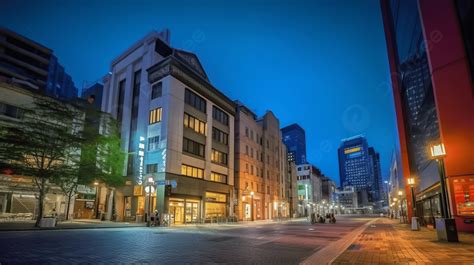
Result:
pixel 192 211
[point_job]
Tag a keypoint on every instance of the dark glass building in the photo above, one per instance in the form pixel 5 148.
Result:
pixel 376 175
pixel 294 138
pixel 430 49
pixel 60 84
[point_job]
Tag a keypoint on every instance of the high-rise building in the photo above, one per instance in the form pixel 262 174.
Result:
pixel 33 66
pixel 177 128
pixel 24 61
pixel 261 166
pixel 359 167
pixel 294 138
pixel 60 84
pixel 430 48
pixel 376 175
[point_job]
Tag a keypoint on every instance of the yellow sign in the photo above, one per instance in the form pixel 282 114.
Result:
pixel 138 190
pixel 352 150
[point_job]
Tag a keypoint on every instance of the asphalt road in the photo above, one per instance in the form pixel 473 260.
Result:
pixel 251 243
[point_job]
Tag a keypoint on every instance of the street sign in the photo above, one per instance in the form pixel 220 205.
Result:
pixel 161 182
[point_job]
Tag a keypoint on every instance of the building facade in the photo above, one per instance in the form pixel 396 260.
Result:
pixel 294 138
pixel 359 167
pixel 33 66
pixel 177 128
pixel 431 62
pixel 310 192
pixel 94 93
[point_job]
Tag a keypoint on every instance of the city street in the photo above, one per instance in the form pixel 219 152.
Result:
pixel 257 243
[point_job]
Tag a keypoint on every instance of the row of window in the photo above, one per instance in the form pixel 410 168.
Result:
pixel 220 136
pixel 155 115
pixel 194 124
pixel 153 143
pixel 191 171
pixel 194 100
pixel 218 157
pixel 192 147
pixel 196 172
pixel 220 115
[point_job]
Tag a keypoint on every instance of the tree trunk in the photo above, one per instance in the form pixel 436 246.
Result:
pixel 40 205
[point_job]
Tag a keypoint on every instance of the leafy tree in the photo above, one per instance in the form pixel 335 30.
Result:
pixel 44 144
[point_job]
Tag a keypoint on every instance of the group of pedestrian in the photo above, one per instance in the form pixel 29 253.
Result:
pixel 316 218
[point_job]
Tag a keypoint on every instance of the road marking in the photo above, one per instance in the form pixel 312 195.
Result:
pixel 329 253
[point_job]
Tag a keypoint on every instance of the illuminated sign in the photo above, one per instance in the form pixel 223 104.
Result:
pixel 351 150
pixel 141 155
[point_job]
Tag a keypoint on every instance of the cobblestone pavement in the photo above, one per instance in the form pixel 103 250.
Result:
pixel 254 243
pixel 388 242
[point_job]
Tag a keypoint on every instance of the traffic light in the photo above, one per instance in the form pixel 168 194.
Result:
pixel 168 190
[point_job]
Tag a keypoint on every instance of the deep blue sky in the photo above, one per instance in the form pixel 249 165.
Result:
pixel 322 64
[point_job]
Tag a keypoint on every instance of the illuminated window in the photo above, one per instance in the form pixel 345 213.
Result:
pixel 218 157
pixel 153 143
pixel 191 171
pixel 155 115
pixel 194 124
pixel 217 177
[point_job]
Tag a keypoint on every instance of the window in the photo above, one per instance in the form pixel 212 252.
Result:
pixel 246 168
pixel 251 152
pixel 192 147
pixel 251 135
pixel 220 115
pixel 251 169
pixel 11 111
pixel 247 150
pixel 153 143
pixel 156 90
pixel 194 100
pixel 151 168
pixel 217 177
pixel 155 115
pixel 218 157
pixel 194 124
pixel 220 136
pixel 247 131
pixel 191 171
pixel 121 95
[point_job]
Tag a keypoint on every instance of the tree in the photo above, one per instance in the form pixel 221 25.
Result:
pixel 44 144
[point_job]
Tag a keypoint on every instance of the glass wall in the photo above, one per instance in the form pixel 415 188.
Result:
pixel 416 90
pixel 216 204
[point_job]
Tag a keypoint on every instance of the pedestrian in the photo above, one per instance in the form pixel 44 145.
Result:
pixel 156 218
pixel 54 215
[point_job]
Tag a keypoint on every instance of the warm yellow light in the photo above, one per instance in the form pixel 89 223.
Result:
pixel 400 193
pixel 251 193
pixel 96 183
pixel 411 181
pixel 395 199
pixel 438 150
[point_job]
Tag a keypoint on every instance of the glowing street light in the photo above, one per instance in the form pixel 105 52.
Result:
pixel 447 227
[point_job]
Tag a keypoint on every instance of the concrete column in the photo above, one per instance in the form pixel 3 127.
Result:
pixel 110 204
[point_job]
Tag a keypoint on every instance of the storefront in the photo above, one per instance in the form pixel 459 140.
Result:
pixel 216 206
pixel 428 205
pixel 184 210
pixel 462 190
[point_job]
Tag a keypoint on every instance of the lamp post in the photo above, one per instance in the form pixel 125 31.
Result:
pixel 400 202
pixel 251 201
pixel 96 185
pixel 149 189
pixel 411 182
pixel 446 227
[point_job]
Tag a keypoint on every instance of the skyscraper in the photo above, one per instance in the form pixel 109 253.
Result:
pixel 430 50
pixel 294 138
pixel 359 167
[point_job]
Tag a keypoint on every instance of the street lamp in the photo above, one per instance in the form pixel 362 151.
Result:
pixel 96 185
pixel 149 189
pixel 438 152
pixel 251 212
pixel 446 227
pixel 414 221
pixel 400 204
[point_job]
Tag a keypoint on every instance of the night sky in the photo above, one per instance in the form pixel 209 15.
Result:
pixel 322 64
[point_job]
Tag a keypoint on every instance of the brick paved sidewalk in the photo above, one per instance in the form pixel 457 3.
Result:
pixel 389 242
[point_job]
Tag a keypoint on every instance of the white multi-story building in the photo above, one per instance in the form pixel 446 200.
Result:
pixel 309 188
pixel 177 128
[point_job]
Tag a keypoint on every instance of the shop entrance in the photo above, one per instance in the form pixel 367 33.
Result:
pixel 192 211
pixel 177 212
